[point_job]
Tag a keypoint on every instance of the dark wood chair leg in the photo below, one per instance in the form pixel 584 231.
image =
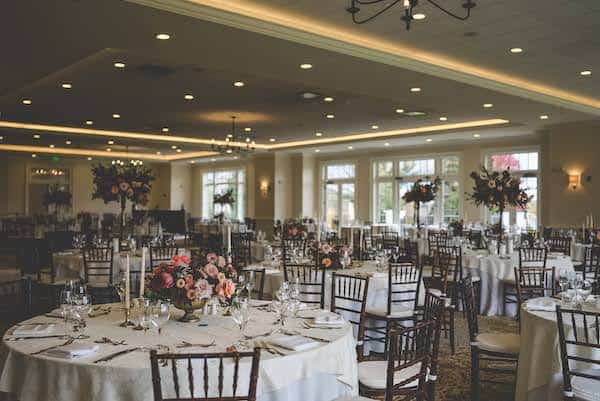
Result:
pixel 452 337
pixel 474 374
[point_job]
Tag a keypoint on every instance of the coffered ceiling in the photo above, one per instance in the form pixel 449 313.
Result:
pixel 78 42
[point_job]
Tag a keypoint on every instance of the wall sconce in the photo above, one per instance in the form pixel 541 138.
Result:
pixel 264 188
pixel 574 180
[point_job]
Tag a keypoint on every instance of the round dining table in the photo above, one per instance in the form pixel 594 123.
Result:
pixel 322 373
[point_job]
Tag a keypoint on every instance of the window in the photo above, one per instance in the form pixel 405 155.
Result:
pixel 338 194
pixel 393 178
pixel 525 165
pixel 219 182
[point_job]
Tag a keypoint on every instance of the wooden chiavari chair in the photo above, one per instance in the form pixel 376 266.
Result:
pixel 590 268
pixel 310 279
pixel 98 267
pixel 404 285
pixel 292 247
pixel 188 386
pixel 533 282
pixel 241 249
pixel 161 254
pixel 528 257
pixel 390 240
pixel 496 350
pixel 579 341
pixel 15 302
pixel 435 239
pixel 476 239
pixel 559 244
pixel 349 297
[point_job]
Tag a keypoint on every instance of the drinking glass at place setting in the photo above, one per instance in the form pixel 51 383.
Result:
pixel 240 313
pixel 160 315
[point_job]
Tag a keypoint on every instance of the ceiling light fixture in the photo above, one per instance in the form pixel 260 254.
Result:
pixel 317 150
pixel 108 149
pixel 415 90
pixel 238 84
pixel 419 16
pixel 476 135
pixel 165 129
pixel 67 85
pixel 51 146
pixel 272 139
pixel 585 73
pixel 488 105
pixel 350 147
pixel 1 138
pixel 386 144
pixel 375 126
pixel 89 122
pixel 318 134
pixel 235 142
pixel 399 111
pixel 36 136
pixel 111 142
pixel 188 97
pixel 89 158
pixel 33 155
pixel 543 117
pixel 248 129
pixel 330 116
pixel 516 50
pixel 173 146
pixel 27 101
pixel 409 6
pixel 306 66
pixel 116 116
pixel 328 99
pixel 119 64
pixel 178 150
pixel 163 36
pixel 428 140
pixel 443 118
pixel 68 142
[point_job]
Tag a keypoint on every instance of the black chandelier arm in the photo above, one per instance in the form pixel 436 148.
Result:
pixel 460 17
pixel 377 14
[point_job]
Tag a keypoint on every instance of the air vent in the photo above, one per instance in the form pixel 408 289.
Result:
pixel 155 71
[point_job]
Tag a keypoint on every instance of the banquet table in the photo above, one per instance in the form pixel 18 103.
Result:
pixel 539 375
pixel 68 265
pixel 318 374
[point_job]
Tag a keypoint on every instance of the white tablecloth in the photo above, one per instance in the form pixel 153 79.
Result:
pixel 539 376
pixel 320 374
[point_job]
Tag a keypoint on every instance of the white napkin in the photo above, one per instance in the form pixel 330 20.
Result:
pixel 328 319
pixel 38 330
pixel 73 351
pixel 272 271
pixel 294 343
pixel 541 304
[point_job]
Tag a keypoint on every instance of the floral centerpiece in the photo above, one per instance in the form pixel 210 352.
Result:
pixel 190 286
pixel 294 228
pixel 57 196
pixel 421 192
pixel 330 257
pixel 121 183
pixel 457 227
pixel 497 190
pixel 222 200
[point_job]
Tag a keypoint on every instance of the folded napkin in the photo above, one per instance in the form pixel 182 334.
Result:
pixel 73 351
pixel 38 330
pixel 294 343
pixel 272 271
pixel 328 319
pixel 541 304
pixel 56 313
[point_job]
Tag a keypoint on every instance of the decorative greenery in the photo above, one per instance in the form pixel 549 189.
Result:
pixel 116 183
pixel 421 192
pixel 57 195
pixel 457 226
pixel 225 198
pixel 294 228
pixel 330 257
pixel 497 190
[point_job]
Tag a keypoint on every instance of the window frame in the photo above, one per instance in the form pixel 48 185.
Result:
pixel 237 170
pixel 323 181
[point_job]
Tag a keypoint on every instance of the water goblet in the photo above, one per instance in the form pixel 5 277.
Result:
pixel 160 315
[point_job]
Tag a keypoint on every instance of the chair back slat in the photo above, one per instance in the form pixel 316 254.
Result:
pixel 160 254
pixel 310 279
pixel 404 284
pixel 258 292
pixel 559 244
pixel 98 263
pixel 349 295
pixel 533 257
pixel 532 282
pixel 223 362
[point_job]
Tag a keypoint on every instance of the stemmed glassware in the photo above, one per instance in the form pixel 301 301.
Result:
pixel 240 313
pixel 160 314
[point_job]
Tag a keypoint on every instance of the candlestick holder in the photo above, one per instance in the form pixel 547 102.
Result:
pixel 127 322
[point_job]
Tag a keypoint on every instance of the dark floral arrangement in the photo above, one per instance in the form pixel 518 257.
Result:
pixel 225 198
pixel 294 228
pixel 497 190
pixel 421 192
pixel 57 195
pixel 330 257
pixel 457 226
pixel 116 183
pixel 182 283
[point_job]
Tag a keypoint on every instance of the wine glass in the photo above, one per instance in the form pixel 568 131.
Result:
pixel 160 315
pixel 240 314
pixel 250 283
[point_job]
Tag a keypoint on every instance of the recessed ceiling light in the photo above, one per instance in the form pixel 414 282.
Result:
pixel 27 101
pixel 386 144
pixel 419 16
pixel 415 113
pixel 68 142
pixel 36 136
pixel 108 149
pixel 543 117
pixel 317 150
pixel 188 97
pixel 235 157
pixel 213 160
pixel 415 90
pixel 330 116
pixel 375 126
pixel 229 135
pixel 238 84
pixel 67 85
pixel 399 111
pixel 89 158
pixel 443 118
pixel 247 129
pixel 350 147
pixel 318 134
pixel 516 50
pixel 116 116
pixel 476 135
pixel 119 64
pixel 173 146
pixel 163 36
pixel 229 151
pixel 428 140
pixel 247 139
pixel 1 138
pixel 33 155
pixel 178 151
pixel 488 105
pixel 272 139
pixel 89 122
pixel 111 142
pixel 306 66
pixel 51 146
pixel 158 153
pixel 193 161
pixel 165 129
pixel 585 72
pixel 309 95
pixel 328 99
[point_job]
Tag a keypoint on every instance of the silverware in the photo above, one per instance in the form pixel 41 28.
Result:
pixel 259 335
pixel 106 340
pixel 297 333
pixel 69 341
pixel 308 326
pixel 34 337
pixel 101 313
pixel 117 354
pixel 185 344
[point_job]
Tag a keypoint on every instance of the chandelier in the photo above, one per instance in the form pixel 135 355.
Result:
pixel 409 6
pixel 119 162
pixel 235 143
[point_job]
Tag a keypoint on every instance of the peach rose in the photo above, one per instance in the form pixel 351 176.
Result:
pixel 225 289
pixel 221 262
pixel 327 262
pixel 211 270
pixel 191 294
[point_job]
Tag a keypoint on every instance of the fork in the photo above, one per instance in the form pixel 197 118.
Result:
pixel 69 341
pixel 118 353
pixel 186 344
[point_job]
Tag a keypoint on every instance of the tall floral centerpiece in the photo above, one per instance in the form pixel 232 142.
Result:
pixel 222 200
pixel 57 201
pixel 294 229
pixel 190 286
pixel 496 191
pixel 120 183
pixel 421 192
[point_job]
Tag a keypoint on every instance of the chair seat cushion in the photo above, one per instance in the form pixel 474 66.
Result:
pixel 373 374
pixel 509 281
pixel 398 311
pixel 499 342
pixel 584 388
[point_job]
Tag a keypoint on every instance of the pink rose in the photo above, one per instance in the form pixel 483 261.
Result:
pixel 204 289
pixel 221 262
pixel 225 289
pixel 211 257
pixel 211 270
